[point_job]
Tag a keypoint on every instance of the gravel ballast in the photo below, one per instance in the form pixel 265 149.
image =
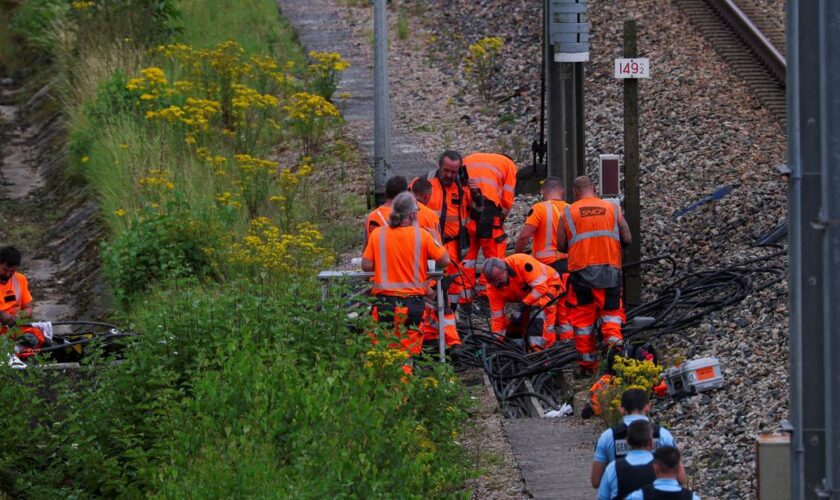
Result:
pixel 701 129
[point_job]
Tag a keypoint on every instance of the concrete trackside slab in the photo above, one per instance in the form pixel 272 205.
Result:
pixel 554 454
pixel 319 27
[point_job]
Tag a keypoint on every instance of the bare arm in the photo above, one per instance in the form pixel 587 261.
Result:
pixel 444 261
pixel 524 236
pixel 436 235
pixel 11 319
pixel 596 473
pixel 367 265
pixel 562 243
pixel 624 232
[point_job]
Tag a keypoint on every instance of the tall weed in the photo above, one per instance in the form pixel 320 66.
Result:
pixel 241 383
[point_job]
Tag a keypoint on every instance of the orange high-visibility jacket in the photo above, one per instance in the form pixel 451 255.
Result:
pixel 545 217
pixel 457 206
pixel 427 219
pixel 496 175
pixel 530 282
pixel 399 255
pixel 377 218
pixel 592 234
pixel 14 294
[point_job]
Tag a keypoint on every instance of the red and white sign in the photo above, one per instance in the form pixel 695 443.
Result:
pixel 632 68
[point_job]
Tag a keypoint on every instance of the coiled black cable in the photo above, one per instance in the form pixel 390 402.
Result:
pixel 679 305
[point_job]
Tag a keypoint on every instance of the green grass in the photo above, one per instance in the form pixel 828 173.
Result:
pixel 402 25
pixel 243 383
pixel 255 24
pixel 506 118
pixel 8 49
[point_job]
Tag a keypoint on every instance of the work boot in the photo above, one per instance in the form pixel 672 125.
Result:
pixel 456 352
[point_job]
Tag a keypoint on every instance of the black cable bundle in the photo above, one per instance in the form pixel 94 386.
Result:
pixel 679 305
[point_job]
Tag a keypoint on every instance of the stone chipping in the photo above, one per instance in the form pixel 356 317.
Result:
pixel 701 129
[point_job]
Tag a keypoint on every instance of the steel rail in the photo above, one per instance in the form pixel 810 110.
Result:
pixel 753 37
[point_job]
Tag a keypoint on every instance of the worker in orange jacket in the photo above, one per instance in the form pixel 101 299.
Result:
pixel 492 183
pixel 593 233
pixel 451 201
pixel 379 216
pixel 16 304
pixel 429 220
pixel 397 254
pixel 541 225
pixel 520 278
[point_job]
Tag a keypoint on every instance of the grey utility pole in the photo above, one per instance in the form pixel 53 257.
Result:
pixel 829 77
pixel 381 102
pixel 566 42
pixel 813 85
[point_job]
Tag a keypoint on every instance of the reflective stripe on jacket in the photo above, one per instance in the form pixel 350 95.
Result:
pixel 399 256
pixel 377 218
pixel 545 217
pixel 14 294
pixel 457 206
pixel 429 220
pixel 496 175
pixel 16 288
pixel 530 282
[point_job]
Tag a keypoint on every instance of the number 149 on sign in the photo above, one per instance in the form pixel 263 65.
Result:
pixel 632 68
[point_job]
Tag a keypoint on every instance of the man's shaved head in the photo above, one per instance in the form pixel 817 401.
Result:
pixel 553 185
pixel 583 186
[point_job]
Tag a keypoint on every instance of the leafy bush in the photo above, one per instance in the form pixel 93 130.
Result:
pixel 142 21
pixel 240 385
pixel 34 20
pixel 244 390
pixel 157 245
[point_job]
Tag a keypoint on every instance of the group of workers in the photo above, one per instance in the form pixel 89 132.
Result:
pixel 570 281
pixel 638 459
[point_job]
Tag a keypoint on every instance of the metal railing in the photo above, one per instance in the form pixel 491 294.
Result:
pixel 327 277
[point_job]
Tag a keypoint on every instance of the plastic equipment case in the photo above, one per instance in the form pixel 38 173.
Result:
pixel 691 377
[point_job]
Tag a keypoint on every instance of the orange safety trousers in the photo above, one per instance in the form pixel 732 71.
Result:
pixel 562 326
pixel 27 351
pixel 549 332
pixel 517 333
pixel 586 306
pixel 429 327
pixel 490 248
pixel 457 290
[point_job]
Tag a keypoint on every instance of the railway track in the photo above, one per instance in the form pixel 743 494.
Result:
pixel 750 53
